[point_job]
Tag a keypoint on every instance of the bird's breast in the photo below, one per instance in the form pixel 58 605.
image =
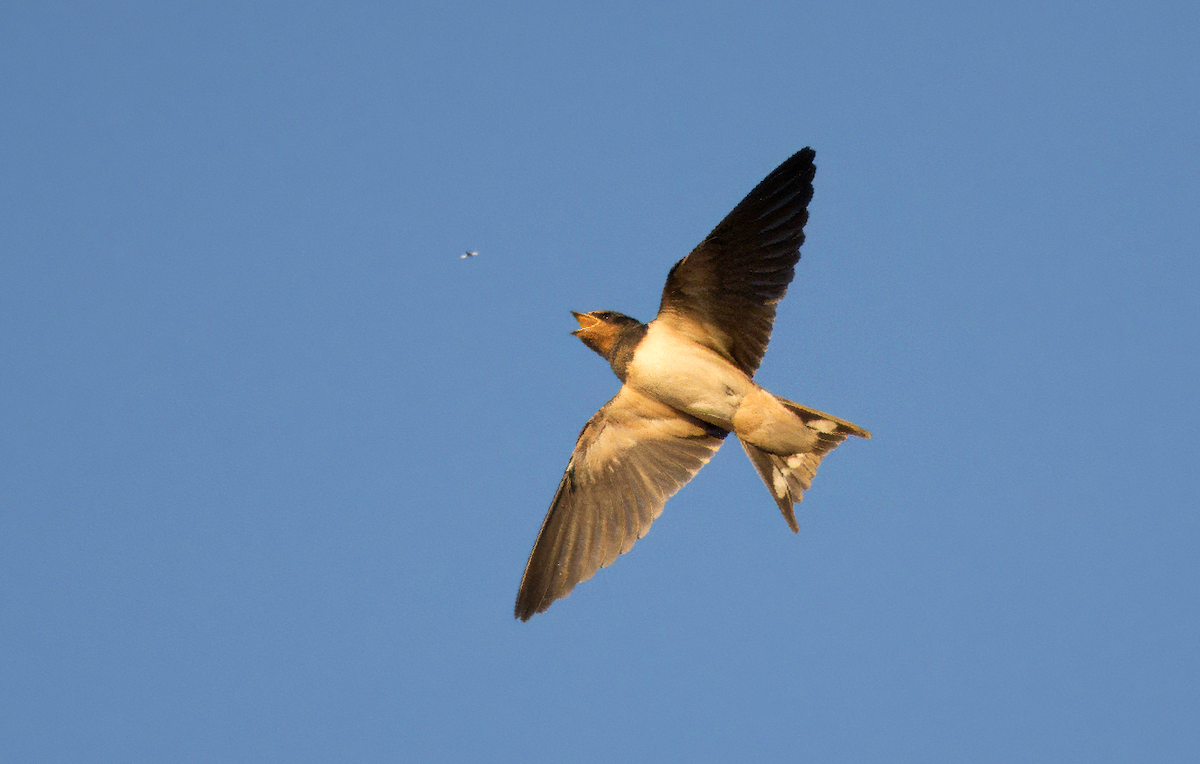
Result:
pixel 687 375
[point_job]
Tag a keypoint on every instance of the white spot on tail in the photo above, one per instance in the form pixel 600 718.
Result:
pixel 779 483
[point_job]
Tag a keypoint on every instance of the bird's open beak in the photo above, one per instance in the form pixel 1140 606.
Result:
pixel 585 322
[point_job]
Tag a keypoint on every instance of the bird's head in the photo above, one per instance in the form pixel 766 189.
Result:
pixel 600 328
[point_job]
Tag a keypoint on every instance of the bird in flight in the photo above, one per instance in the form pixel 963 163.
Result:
pixel 687 382
pixel 467 254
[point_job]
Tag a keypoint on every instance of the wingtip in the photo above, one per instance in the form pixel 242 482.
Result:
pixel 805 155
pixel 529 603
pixel 524 610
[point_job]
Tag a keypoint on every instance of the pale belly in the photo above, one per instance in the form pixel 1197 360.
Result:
pixel 687 376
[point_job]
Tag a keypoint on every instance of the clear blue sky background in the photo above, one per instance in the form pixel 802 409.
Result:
pixel 272 456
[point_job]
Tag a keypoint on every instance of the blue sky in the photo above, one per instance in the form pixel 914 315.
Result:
pixel 272 456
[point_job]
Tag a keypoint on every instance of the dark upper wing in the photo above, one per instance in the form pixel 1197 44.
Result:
pixel 629 459
pixel 723 294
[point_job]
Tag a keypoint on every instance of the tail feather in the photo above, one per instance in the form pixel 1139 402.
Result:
pixel 788 477
pixel 822 422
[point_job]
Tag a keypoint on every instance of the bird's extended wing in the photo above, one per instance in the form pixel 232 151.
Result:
pixel 723 294
pixel 632 456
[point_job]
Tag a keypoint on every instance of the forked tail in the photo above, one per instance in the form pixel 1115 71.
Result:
pixel 788 477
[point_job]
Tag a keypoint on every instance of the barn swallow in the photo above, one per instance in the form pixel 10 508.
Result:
pixel 687 382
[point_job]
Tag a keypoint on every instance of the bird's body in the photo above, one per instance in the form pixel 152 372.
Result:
pixel 686 375
pixel 687 383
